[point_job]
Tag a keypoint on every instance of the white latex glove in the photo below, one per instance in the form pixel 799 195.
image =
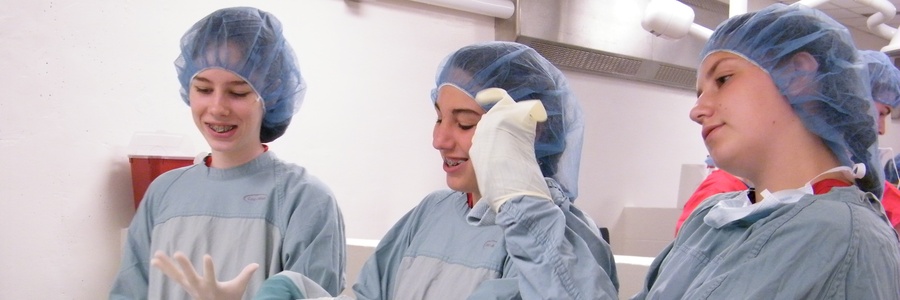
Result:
pixel 199 287
pixel 502 150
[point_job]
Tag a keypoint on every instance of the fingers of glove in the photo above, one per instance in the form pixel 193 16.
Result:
pixel 209 270
pixel 191 277
pixel 165 264
pixel 523 114
pixel 245 274
pixel 237 286
pixel 490 96
pixel 500 98
pixel 536 110
pixel 507 127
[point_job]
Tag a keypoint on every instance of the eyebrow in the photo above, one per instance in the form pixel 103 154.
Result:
pixel 712 69
pixel 235 82
pixel 458 111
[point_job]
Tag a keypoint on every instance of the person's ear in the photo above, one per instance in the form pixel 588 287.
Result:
pixel 804 62
pixel 805 66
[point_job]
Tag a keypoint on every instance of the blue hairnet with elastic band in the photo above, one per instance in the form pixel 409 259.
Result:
pixel 525 75
pixel 885 78
pixel 833 101
pixel 248 42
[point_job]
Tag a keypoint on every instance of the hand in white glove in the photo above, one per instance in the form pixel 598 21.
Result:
pixel 502 150
pixel 199 287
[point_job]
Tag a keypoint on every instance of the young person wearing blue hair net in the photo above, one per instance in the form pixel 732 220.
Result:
pixel 885 79
pixel 242 206
pixel 506 228
pixel 783 101
pixel 885 83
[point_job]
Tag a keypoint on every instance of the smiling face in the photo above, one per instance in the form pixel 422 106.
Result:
pixel 457 115
pixel 746 122
pixel 228 113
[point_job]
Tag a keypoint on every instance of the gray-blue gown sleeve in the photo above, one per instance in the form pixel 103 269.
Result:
pixel 314 242
pixel 132 279
pixel 377 274
pixel 289 285
pixel 557 255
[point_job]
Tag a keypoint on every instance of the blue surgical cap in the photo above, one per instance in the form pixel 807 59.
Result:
pixel 248 42
pixel 834 101
pixel 884 76
pixel 525 75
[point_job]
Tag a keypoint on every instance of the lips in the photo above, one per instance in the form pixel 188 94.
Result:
pixel 707 130
pixel 221 128
pixel 453 164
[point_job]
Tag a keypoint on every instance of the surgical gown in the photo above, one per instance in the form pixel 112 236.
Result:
pixel 532 249
pixel 266 211
pixel 836 245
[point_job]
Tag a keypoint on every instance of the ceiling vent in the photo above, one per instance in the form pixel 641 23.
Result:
pixel 606 38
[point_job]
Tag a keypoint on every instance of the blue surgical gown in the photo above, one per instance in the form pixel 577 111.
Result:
pixel 837 245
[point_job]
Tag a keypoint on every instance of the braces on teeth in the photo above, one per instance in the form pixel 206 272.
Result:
pixel 220 129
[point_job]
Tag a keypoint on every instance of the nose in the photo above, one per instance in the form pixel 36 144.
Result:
pixel 440 138
pixel 700 111
pixel 219 105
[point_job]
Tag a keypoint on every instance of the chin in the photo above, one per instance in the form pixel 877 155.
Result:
pixel 457 185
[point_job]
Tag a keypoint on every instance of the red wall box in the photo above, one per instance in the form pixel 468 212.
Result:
pixel 144 169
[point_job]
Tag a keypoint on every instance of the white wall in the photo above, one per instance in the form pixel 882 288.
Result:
pixel 80 78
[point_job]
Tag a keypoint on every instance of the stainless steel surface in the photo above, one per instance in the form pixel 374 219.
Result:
pixel 601 37
pixel 605 37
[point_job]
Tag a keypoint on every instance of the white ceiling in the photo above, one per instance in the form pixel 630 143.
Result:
pixel 852 14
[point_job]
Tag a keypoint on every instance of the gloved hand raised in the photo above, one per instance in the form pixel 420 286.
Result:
pixel 502 151
pixel 200 287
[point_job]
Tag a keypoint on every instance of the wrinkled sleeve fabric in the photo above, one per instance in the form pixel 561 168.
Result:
pixel 554 261
pixel 132 279
pixel 314 242
pixel 378 273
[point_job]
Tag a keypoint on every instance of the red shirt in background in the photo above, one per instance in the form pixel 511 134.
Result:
pixel 891 202
pixel 716 182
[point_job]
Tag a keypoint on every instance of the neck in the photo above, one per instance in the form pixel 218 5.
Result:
pixel 231 159
pixel 789 159
pixel 796 172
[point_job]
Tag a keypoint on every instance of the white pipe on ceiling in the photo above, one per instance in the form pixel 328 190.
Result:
pixel 737 7
pixel 813 3
pixel 885 12
pixel 494 8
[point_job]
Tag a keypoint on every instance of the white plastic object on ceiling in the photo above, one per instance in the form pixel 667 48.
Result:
pixel 494 8
pixel 672 20
pixel 668 19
